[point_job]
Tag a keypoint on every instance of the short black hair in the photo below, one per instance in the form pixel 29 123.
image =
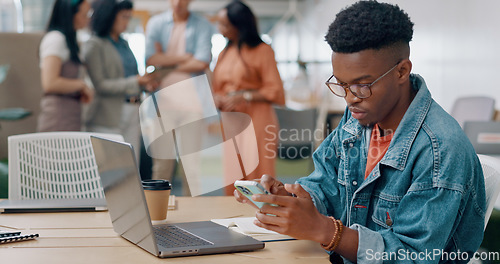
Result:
pixel 369 25
pixel 104 15
pixel 242 17
pixel 61 20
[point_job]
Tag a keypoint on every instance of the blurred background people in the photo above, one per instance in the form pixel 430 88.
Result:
pixel 112 67
pixel 180 40
pixel 246 79
pixel 60 67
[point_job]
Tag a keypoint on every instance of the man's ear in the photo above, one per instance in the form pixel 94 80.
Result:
pixel 404 70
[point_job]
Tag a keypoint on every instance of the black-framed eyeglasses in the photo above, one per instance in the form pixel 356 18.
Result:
pixel 361 90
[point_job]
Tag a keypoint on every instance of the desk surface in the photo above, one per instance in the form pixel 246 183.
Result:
pixel 88 237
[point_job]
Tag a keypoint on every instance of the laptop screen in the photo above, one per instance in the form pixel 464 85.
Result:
pixel 123 190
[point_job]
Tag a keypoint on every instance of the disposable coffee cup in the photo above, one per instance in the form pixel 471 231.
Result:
pixel 157 193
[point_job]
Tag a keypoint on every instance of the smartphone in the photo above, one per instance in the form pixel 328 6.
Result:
pixel 249 188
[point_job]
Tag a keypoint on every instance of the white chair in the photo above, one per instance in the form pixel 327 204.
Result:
pixel 54 165
pixel 491 171
pixel 473 108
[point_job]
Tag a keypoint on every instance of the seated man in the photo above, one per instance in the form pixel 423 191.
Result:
pixel 397 180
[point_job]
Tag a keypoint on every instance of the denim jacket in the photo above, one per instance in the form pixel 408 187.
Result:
pixel 426 197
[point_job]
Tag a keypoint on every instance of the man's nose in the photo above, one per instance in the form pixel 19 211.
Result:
pixel 350 98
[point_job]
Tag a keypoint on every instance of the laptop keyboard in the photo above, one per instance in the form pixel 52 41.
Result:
pixel 172 237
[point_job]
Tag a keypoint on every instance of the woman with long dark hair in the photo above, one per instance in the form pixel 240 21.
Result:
pixel 112 68
pixel 60 67
pixel 246 79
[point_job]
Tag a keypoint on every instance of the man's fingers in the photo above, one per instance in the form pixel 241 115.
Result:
pixel 273 199
pixel 273 223
pixel 283 200
pixel 275 210
pixel 267 181
pixel 239 197
pixel 267 226
pixel 297 190
pixel 243 199
pixel 270 219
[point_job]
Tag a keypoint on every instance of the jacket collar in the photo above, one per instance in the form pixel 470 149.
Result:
pixel 408 128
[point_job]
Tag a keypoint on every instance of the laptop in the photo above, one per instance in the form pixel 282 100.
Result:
pixel 52 205
pixel 484 136
pixel 130 217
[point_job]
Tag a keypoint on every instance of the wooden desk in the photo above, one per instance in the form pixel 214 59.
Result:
pixel 88 237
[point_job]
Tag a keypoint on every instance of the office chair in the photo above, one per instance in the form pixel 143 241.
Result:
pixel 54 165
pixel 473 108
pixel 297 131
pixel 491 171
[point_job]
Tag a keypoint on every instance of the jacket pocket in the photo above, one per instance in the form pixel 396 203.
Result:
pixel 385 210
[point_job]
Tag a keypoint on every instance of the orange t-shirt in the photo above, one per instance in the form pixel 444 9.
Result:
pixel 378 148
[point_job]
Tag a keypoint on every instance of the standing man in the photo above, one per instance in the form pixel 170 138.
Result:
pixel 178 38
pixel 181 40
pixel 397 181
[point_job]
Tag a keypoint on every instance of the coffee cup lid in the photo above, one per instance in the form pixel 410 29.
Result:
pixel 156 185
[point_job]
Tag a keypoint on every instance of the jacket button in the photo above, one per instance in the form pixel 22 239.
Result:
pixel 355 183
pixel 351 145
pixel 388 222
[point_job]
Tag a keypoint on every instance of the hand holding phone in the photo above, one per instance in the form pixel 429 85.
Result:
pixel 249 188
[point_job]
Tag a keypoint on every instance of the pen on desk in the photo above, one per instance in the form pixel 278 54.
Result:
pixel 17 238
pixel 9 234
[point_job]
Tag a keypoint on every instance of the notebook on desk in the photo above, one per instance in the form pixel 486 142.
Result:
pixel 130 217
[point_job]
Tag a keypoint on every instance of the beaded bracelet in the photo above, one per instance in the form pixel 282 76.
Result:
pixel 336 237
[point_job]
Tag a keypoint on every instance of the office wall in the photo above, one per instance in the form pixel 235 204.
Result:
pixel 456 44
pixel 22 85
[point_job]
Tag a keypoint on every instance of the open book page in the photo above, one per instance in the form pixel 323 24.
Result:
pixel 246 226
